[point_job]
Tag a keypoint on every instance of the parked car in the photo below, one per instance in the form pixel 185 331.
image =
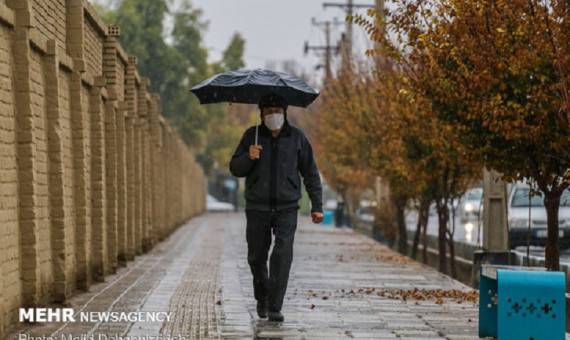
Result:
pixel 215 205
pixel 470 207
pixel 518 212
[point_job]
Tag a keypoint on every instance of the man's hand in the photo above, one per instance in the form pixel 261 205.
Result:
pixel 254 151
pixel 317 217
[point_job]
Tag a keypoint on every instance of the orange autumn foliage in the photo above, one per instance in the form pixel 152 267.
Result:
pixel 498 73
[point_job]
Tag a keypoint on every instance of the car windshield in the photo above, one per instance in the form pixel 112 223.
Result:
pixel 520 199
pixel 474 195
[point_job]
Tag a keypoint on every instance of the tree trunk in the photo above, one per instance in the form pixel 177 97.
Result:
pixel 403 235
pixel 349 208
pixel 450 233
pixel 425 257
pixel 452 264
pixel 552 256
pixel 417 234
pixel 421 231
pixel 443 217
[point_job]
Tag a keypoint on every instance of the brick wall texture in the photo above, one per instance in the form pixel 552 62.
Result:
pixel 91 175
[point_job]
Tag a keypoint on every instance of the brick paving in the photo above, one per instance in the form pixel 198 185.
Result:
pixel 342 286
pixel 194 303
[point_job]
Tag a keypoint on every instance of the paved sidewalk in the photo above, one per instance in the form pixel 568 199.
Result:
pixel 342 285
pixel 335 292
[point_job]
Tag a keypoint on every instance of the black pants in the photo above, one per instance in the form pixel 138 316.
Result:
pixel 272 285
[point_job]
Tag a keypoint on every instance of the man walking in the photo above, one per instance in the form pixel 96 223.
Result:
pixel 272 191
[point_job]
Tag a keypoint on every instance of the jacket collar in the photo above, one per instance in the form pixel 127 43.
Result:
pixel 286 131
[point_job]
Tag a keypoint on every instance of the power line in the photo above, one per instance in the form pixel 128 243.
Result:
pixel 346 41
pixel 327 48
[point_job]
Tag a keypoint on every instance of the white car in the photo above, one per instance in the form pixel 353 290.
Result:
pixel 214 205
pixel 470 207
pixel 518 211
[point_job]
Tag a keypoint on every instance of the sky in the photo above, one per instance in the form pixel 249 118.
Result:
pixel 276 30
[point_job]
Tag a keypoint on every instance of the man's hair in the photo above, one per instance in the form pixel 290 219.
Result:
pixel 272 100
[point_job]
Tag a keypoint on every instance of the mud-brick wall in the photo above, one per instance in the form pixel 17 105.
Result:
pixel 90 174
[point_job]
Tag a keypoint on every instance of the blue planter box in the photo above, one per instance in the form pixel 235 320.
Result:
pixel 522 303
pixel 328 217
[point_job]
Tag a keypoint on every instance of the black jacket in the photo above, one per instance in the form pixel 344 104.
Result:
pixel 273 181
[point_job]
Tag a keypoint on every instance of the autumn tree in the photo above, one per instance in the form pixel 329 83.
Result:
pixel 425 156
pixel 498 73
pixel 337 146
pixel 395 134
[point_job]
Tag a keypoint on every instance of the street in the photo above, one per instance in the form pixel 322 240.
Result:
pixel 472 232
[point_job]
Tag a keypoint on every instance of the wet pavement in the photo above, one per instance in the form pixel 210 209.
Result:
pixel 342 286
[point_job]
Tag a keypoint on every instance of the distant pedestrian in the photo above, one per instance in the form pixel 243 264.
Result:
pixel 273 171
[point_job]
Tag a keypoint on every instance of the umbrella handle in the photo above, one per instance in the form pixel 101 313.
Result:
pixel 256 127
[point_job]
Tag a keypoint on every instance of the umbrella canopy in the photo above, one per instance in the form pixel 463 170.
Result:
pixel 248 86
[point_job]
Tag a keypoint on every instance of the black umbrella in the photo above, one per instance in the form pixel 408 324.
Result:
pixel 249 86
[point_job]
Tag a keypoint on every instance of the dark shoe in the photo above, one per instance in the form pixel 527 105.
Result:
pixel 276 316
pixel 262 308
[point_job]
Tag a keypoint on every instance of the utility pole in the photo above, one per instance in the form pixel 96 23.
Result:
pixel 347 38
pixel 347 44
pixel 380 10
pixel 328 48
pixel 380 7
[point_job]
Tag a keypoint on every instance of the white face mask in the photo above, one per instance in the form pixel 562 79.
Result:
pixel 274 121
